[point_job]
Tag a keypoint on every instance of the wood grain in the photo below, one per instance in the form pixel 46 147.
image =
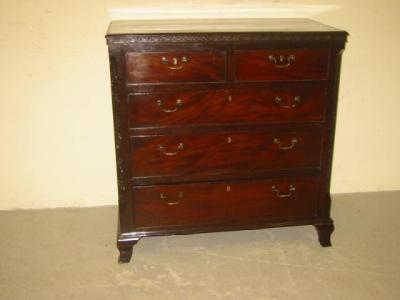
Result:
pixel 307 65
pixel 201 66
pixel 229 106
pixel 224 153
pixel 224 202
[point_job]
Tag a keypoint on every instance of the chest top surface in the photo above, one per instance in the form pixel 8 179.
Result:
pixel 123 27
pixel 222 31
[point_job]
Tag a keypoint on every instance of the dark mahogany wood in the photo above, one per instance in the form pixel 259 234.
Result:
pixel 324 233
pixel 125 253
pixel 224 153
pixel 301 64
pixel 211 161
pixel 280 103
pixel 125 248
pixel 231 202
pixel 159 67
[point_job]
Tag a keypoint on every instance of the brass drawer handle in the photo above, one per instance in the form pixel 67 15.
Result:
pixel 164 197
pixel 279 101
pixel 174 64
pixel 179 103
pixel 292 144
pixel 281 61
pixel 161 148
pixel 278 192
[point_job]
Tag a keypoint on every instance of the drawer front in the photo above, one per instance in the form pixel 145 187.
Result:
pixel 268 65
pixel 225 202
pixel 169 67
pixel 224 153
pixel 289 103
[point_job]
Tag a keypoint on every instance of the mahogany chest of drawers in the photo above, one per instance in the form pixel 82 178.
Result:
pixel 223 125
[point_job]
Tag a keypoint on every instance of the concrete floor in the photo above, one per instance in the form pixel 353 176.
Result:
pixel 71 254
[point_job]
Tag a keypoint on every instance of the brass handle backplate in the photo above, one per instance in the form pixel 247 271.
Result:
pixel 281 61
pixel 164 197
pixel 280 195
pixel 175 64
pixel 161 148
pixel 179 103
pixel 280 102
pixel 292 144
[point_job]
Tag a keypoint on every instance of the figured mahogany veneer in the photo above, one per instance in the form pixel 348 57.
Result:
pixel 224 153
pixel 279 103
pixel 229 202
pixel 176 66
pixel 282 64
pixel 223 130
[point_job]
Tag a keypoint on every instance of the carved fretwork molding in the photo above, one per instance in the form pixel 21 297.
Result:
pixel 228 37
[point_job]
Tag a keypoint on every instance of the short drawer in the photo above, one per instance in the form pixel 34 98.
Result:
pixel 225 202
pixel 266 65
pixel 175 67
pixel 224 152
pixel 284 103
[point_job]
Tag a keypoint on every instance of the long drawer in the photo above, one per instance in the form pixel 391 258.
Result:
pixel 224 202
pixel 279 103
pixel 224 152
